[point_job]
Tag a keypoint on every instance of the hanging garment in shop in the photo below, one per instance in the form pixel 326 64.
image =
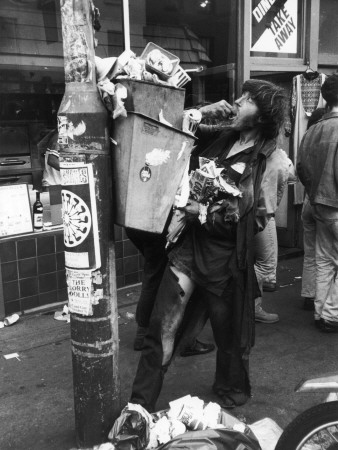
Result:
pixel 306 97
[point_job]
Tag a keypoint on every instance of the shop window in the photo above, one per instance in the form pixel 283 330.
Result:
pixel 328 33
pixel 49 19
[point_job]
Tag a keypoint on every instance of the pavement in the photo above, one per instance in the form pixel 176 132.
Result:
pixel 36 391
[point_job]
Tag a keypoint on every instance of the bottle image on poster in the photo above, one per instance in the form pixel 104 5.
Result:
pixel 79 214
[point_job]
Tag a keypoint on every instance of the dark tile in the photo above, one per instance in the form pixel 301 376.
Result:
pixel 47 263
pixel 140 261
pixel 9 271
pixel 120 282
pixel 131 278
pixel 11 291
pixel 59 245
pixel 26 248
pixel 129 248
pixel 119 249
pixel 12 307
pixel 140 276
pixel 45 245
pixel 47 282
pixel 61 279
pixel 60 261
pixel 28 287
pixel 29 302
pixel 124 234
pixel 62 295
pixel 48 297
pixel 130 264
pixel 119 266
pixel 27 268
pixel 117 233
pixel 7 251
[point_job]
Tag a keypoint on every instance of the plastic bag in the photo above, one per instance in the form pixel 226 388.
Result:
pixel 267 432
pixel 210 439
pixel 131 430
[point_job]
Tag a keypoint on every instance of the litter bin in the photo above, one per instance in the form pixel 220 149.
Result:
pixel 149 160
pixel 150 98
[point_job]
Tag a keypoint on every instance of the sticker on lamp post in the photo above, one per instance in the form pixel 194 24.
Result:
pixel 81 239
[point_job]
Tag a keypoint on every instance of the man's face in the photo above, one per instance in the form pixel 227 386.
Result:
pixel 246 113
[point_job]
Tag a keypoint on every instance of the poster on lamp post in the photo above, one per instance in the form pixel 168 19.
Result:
pixel 275 27
pixel 82 250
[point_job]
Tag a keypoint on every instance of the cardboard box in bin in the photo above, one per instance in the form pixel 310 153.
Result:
pixel 150 98
pixel 149 161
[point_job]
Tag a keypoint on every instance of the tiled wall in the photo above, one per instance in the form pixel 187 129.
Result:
pixel 129 262
pixel 33 269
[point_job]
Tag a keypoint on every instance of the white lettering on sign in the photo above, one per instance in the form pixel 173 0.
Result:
pixel 262 8
pixel 275 29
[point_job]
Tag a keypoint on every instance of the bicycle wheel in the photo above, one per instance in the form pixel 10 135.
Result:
pixel 314 429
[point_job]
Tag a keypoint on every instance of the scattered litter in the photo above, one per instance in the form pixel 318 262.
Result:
pixel 267 432
pixel 130 315
pixel 332 397
pixel 2 324
pixel 298 278
pixel 63 315
pixel 10 320
pixel 12 355
pixel 187 421
pixel 284 285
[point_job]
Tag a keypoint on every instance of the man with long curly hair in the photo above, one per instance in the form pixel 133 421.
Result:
pixel 216 254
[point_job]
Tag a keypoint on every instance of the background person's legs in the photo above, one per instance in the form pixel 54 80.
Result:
pixel 266 259
pixel 326 301
pixel 308 291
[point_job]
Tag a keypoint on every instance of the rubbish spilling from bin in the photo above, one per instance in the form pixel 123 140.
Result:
pixel 188 423
pixel 152 135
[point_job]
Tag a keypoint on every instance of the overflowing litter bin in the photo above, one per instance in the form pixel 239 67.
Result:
pixel 149 160
pixel 150 99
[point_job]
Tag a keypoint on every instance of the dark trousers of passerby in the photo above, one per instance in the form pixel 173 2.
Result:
pixel 164 335
pixel 152 248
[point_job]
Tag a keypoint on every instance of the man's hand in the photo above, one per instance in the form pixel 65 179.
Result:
pixel 220 110
pixel 191 209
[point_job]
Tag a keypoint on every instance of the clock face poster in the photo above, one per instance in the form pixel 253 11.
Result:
pixel 82 250
pixel 274 27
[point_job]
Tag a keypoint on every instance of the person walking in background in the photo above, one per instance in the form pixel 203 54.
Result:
pixel 308 291
pixel 216 254
pixel 317 169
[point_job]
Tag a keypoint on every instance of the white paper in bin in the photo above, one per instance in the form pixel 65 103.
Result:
pixel 172 58
pixel 139 204
pixel 180 77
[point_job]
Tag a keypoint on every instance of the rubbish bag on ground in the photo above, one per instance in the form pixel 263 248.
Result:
pixel 210 439
pixel 131 429
pixel 267 432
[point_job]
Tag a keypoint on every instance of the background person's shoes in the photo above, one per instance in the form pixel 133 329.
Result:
pixel 309 304
pixel 269 287
pixel 328 326
pixel 198 348
pixel 265 317
pixel 139 338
